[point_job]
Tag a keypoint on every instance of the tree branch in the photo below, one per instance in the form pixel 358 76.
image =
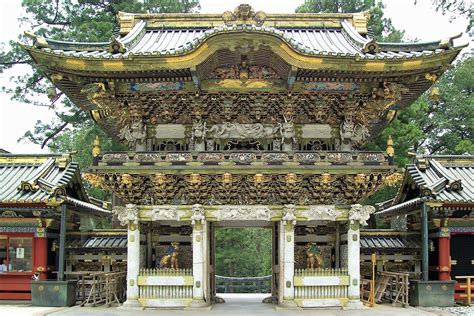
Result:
pixel 56 132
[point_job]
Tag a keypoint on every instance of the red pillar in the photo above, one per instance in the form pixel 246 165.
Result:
pixel 444 255
pixel 41 256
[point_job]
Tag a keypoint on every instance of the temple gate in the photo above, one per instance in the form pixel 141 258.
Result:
pixel 242 117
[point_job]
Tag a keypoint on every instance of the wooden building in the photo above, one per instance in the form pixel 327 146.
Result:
pixel 436 200
pixel 35 192
pixel 242 119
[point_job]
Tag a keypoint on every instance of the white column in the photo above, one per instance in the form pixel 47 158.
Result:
pixel 353 265
pixel 133 265
pixel 286 293
pixel 200 264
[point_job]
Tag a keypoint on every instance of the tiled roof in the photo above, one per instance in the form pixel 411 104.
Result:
pixel 445 179
pixel 117 242
pixel 321 41
pixel 382 242
pixel 42 179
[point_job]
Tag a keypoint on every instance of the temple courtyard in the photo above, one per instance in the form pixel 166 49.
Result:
pixel 236 304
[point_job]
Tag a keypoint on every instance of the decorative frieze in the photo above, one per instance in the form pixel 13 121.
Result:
pixel 164 213
pixel 243 212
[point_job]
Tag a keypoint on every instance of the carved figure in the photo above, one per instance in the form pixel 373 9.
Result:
pixel 127 214
pixel 288 134
pixel 289 217
pixel 198 214
pixel 134 133
pixel 313 256
pixel 170 259
pixel 198 135
pixel 360 213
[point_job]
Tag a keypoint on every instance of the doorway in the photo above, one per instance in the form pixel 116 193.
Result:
pixel 244 263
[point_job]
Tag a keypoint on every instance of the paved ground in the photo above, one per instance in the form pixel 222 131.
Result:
pixel 236 305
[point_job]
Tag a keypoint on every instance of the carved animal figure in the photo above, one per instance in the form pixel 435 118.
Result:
pixel 170 259
pixel 313 256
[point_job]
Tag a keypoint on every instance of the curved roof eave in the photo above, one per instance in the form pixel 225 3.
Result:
pixel 285 47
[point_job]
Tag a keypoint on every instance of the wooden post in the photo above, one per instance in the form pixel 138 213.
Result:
pixel 62 242
pixel 372 282
pixel 424 242
pixel 444 255
pixel 337 245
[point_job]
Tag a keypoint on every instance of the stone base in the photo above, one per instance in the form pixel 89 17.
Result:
pixel 217 300
pixel 131 304
pixel 287 304
pixel 354 304
pixel 199 305
pixel 270 300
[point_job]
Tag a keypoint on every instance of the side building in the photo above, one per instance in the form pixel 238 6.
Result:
pixel 436 199
pixel 41 197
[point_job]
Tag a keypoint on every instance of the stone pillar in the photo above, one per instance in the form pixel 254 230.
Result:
pixel 200 242
pixel 286 291
pixel 353 263
pixel 358 216
pixel 128 215
pixel 444 255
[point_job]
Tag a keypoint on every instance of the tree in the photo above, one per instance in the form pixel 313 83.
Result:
pixel 456 8
pixel 243 252
pixel 435 124
pixel 381 26
pixel 78 20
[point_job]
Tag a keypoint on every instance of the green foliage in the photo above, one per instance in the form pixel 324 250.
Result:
pixel 71 20
pixel 456 8
pixel 243 252
pixel 381 26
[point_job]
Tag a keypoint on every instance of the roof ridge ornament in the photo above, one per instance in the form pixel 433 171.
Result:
pixel 116 46
pixel 243 14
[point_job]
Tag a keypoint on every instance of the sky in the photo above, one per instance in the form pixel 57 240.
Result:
pixel 420 22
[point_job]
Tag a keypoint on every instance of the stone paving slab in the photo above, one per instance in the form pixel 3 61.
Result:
pixel 236 305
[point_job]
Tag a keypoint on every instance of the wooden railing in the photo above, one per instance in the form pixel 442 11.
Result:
pixel 165 287
pixel 466 287
pixel 97 288
pixel 243 284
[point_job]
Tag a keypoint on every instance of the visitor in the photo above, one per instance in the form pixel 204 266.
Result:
pixel 3 266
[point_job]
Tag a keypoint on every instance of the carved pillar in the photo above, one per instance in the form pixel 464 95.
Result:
pixel 358 216
pixel 200 248
pixel 286 293
pixel 444 255
pixel 128 215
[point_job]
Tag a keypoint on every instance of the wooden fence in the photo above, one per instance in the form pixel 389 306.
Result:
pixel 99 288
pixel 244 284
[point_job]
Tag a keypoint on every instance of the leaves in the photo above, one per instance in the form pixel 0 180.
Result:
pixel 69 20
pixel 381 26
pixel 243 252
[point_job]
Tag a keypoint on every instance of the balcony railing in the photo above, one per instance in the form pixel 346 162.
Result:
pixel 244 158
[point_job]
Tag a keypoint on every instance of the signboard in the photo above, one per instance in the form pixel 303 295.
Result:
pixel 20 253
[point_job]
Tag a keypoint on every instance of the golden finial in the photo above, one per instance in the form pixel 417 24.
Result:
pixel 96 149
pixel 390 150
